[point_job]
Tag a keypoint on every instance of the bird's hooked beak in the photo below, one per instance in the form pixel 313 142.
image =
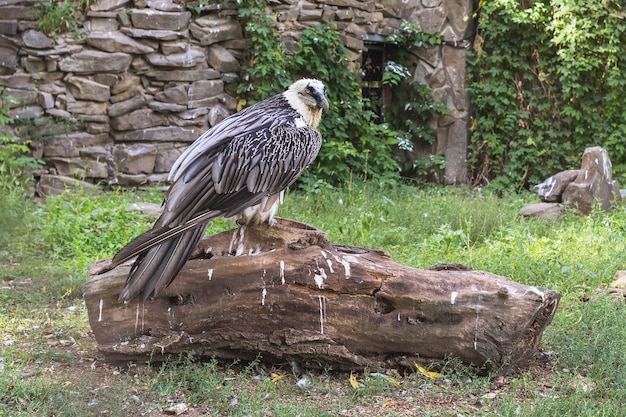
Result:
pixel 322 102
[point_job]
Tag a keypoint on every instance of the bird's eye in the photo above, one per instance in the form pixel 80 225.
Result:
pixel 308 91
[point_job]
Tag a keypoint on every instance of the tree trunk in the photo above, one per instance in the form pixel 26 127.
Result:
pixel 285 293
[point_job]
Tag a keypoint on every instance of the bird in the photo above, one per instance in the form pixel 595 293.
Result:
pixel 238 168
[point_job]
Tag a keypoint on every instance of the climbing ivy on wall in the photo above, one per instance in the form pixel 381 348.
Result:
pixel 548 81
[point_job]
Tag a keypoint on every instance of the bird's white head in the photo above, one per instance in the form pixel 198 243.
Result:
pixel 308 97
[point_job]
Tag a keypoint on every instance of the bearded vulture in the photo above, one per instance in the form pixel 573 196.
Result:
pixel 240 167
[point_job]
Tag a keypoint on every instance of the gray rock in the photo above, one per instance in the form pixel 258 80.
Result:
pixel 162 5
pixel 593 184
pixel 123 107
pixel 86 107
pixel 159 134
pixel 117 42
pixel 209 29
pixel 37 40
pixel 8 55
pixel 222 60
pixel 155 19
pixel 166 107
pixel 54 185
pixel 135 159
pixel 8 27
pixel 90 62
pixel 24 97
pixel 79 167
pixel 549 211
pixel 188 59
pixel 205 89
pixel 138 119
pixel 183 75
pixel 85 89
pixel 551 190
pixel 149 209
pixel 217 114
pixel 126 83
pixel 162 35
pixel 173 95
pixel 108 5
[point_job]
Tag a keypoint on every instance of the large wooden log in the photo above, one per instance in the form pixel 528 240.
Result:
pixel 285 293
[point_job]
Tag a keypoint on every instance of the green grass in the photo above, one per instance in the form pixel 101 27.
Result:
pixel 49 364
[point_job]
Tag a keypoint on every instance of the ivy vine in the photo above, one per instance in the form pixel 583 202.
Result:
pixel 548 81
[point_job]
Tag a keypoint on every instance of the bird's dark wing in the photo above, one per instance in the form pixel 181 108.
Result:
pixel 267 114
pixel 226 180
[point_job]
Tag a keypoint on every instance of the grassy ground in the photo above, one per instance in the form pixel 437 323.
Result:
pixel 50 366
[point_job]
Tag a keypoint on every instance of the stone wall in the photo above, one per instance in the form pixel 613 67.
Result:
pixel 150 76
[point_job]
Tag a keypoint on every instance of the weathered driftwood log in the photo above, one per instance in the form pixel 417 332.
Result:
pixel 287 294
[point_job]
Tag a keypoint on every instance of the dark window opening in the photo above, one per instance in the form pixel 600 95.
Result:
pixel 378 95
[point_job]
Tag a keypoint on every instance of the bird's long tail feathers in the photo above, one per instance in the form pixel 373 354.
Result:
pixel 158 235
pixel 155 268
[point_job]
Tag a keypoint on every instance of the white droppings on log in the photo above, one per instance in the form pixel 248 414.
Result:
pixel 476 332
pixel 263 294
pixel 101 306
pixel 210 273
pixel 330 266
pixel 319 278
pixel 322 301
pixel 535 290
pixel 282 272
pixel 240 231
pixel 345 262
pixel 453 297
pixel 398 316
pixel 137 318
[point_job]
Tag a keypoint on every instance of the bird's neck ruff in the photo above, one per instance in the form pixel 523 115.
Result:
pixel 311 115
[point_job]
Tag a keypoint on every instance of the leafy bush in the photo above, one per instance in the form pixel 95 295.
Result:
pixel 354 144
pixel 547 84
pixel 55 17
pixel 15 157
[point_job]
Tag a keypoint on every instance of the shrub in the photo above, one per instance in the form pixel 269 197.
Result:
pixel 547 84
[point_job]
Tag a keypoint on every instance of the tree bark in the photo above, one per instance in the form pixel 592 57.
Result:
pixel 287 294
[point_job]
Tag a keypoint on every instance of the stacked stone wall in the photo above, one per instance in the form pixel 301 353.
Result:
pixel 148 76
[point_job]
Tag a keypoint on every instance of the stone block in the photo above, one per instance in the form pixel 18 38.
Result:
pixel 115 41
pixel 222 60
pixel 159 134
pixel 209 29
pixel 163 107
pixel 138 119
pixel 8 60
pixel 36 39
pixel 108 5
pixel 24 97
pixel 154 19
pixel 205 89
pixel 91 62
pixel 126 83
pixel 86 89
pixel 123 107
pixel 165 158
pixel 86 107
pixel 551 190
pixel 594 183
pixel 8 27
pixel 188 59
pixel 173 95
pixel 184 75
pixel 161 35
pixel 54 185
pixel 548 211
pixel 135 159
